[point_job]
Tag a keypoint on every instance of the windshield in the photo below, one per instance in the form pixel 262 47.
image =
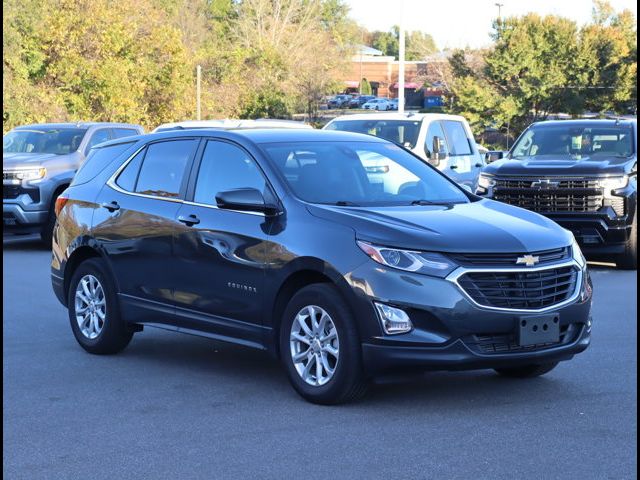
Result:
pixel 57 141
pixel 360 174
pixel 568 141
pixel 402 132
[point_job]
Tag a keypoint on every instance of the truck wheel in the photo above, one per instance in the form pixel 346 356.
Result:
pixel 93 310
pixel 629 259
pixel 46 234
pixel 527 371
pixel 320 347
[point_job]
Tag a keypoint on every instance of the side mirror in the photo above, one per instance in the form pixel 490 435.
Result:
pixel 494 155
pixel 438 151
pixel 245 200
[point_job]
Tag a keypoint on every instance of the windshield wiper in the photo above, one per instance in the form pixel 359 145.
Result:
pixel 345 203
pixel 428 202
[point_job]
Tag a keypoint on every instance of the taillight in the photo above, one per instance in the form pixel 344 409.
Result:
pixel 61 201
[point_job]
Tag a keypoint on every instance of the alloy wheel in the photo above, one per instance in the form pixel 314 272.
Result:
pixel 90 306
pixel 314 345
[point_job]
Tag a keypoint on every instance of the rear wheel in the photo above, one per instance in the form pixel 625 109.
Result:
pixel 527 371
pixel 629 259
pixel 93 310
pixel 320 347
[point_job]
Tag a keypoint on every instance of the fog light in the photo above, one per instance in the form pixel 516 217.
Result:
pixel 393 319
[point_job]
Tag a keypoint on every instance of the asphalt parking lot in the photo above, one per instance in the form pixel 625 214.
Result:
pixel 176 406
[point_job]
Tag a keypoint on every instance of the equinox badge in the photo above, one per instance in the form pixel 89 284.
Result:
pixel 528 260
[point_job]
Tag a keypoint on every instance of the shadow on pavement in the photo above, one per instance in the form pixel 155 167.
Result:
pixel 30 243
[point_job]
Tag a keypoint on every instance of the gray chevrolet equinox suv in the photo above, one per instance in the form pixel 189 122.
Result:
pixel 39 162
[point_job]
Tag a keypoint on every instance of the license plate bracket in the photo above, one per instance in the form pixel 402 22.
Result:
pixel 537 330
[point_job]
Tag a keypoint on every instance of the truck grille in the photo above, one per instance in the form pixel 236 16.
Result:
pixel 550 194
pixel 520 289
pixel 509 259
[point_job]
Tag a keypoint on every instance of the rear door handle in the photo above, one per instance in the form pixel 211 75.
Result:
pixel 478 165
pixel 453 167
pixel 189 221
pixel 111 206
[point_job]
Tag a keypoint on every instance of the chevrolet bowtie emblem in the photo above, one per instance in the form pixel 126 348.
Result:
pixel 528 260
pixel 545 183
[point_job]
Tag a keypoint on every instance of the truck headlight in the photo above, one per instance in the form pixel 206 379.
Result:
pixel 427 263
pixel 614 183
pixel 486 181
pixel 30 173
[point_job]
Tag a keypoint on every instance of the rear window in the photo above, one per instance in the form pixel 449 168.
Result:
pixel 97 160
pixel 402 132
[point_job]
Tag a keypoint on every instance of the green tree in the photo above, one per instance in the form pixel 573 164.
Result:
pixel 365 87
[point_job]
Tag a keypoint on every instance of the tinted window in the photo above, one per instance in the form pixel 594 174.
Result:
pixel 164 167
pixel 575 141
pixel 225 167
pixel 123 132
pixel 457 138
pixel 128 176
pixel 58 141
pixel 360 173
pixel 99 136
pixel 97 161
pixel 435 130
pixel 403 132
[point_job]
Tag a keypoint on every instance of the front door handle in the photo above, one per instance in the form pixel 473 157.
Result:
pixel 453 167
pixel 111 206
pixel 478 165
pixel 189 220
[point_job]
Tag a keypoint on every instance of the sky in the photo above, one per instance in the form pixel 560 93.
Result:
pixel 462 23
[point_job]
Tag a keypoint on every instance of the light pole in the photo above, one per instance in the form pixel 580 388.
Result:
pixel 198 91
pixel 401 61
pixel 499 5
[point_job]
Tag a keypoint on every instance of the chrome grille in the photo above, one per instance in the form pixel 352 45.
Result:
pixel 521 290
pixel 550 194
pixel 509 259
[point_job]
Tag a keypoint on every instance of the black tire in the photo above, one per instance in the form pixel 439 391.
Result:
pixel 527 371
pixel 629 259
pixel 46 234
pixel 348 382
pixel 114 335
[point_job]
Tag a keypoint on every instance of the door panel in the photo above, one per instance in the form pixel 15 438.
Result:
pixel 462 161
pixel 220 260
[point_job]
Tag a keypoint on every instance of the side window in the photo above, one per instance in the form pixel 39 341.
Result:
pixel 127 178
pixel 163 168
pixel 123 132
pixel 225 167
pixel 97 161
pixel 435 130
pixel 457 138
pixel 99 136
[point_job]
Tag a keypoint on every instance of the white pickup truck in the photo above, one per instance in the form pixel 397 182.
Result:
pixel 445 141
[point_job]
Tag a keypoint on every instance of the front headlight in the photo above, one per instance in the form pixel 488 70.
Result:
pixel 486 181
pixel 614 183
pixel 577 254
pixel 427 263
pixel 30 173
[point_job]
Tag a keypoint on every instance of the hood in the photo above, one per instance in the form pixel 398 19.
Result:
pixel 548 165
pixel 16 160
pixel 483 226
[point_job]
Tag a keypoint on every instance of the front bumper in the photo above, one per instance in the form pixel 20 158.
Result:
pixel 16 218
pixel 452 332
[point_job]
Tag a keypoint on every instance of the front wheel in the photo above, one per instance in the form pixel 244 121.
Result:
pixel 320 347
pixel 629 259
pixel 93 310
pixel 527 371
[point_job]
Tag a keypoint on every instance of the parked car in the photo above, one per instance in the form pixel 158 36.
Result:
pixel 38 163
pixel 340 101
pixel 445 141
pixel 231 124
pixel 360 100
pixel 580 173
pixel 393 103
pixel 377 104
pixel 280 240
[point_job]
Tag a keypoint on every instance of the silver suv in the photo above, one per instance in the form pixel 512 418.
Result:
pixel 39 162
